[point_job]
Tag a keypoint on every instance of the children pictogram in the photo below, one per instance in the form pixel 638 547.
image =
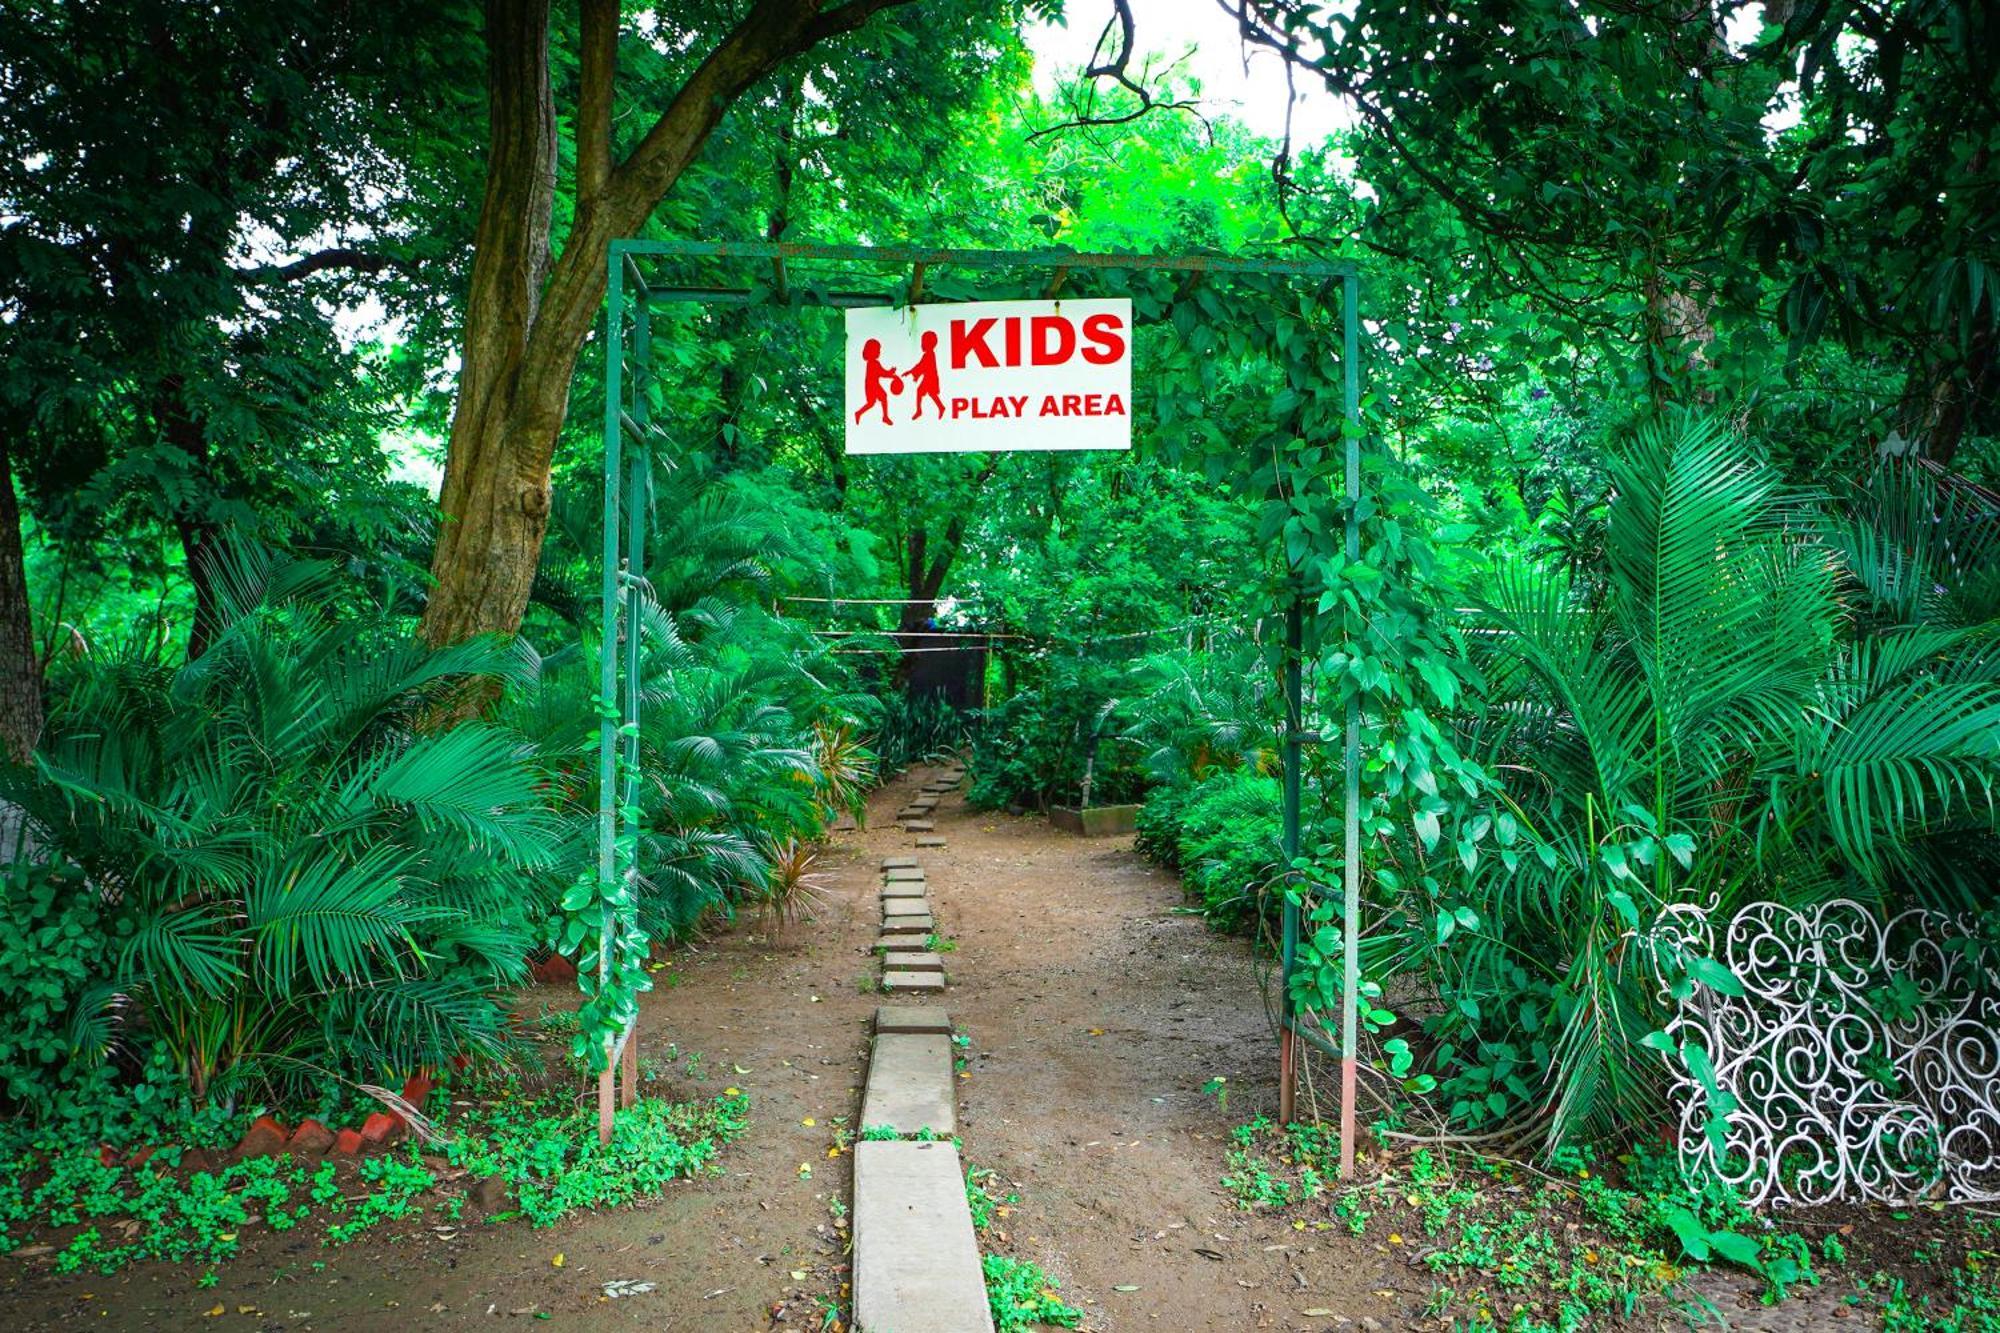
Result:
pixel 924 375
pixel 880 381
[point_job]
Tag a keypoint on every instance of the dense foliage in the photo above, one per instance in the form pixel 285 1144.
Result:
pixel 1675 581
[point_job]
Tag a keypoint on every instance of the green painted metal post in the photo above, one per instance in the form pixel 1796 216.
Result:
pixel 1350 983
pixel 1288 953
pixel 637 504
pixel 607 727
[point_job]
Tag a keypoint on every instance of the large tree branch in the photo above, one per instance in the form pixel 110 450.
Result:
pixel 334 257
pixel 1256 29
pixel 599 30
pixel 772 32
pixel 1112 59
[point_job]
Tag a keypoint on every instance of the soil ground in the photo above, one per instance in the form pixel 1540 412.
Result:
pixel 1096 1014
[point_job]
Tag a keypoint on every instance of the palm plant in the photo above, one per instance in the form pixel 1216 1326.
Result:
pixel 1702 727
pixel 304 875
pixel 1196 712
pixel 746 730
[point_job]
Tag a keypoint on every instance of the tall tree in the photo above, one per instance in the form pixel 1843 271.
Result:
pixel 20 677
pixel 185 199
pixel 1694 185
pixel 532 305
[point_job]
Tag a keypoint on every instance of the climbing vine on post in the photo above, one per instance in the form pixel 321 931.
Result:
pixel 594 908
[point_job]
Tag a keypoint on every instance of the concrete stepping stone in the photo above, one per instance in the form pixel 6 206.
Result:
pixel 897 981
pixel 912 942
pixel 910 1084
pixel 931 840
pixel 845 823
pixel 902 891
pixel 916 1260
pixel 918 826
pixel 912 1018
pixel 919 961
pixel 899 863
pixel 900 874
pixel 902 906
pixel 908 925
pixel 910 812
pixel 925 802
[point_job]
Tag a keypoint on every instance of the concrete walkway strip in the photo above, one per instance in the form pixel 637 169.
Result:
pixel 919 960
pixel 916 1260
pixel 919 1018
pixel 910 1087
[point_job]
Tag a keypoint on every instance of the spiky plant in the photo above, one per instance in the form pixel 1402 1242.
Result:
pixel 846 766
pixel 793 891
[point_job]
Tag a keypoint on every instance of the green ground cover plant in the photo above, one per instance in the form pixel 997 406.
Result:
pixel 1023 1296
pixel 56 1191
pixel 1519 1248
pixel 1563 1247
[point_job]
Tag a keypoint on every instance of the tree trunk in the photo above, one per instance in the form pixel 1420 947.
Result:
pixel 526 316
pixel 1947 391
pixel 179 427
pixel 20 676
pixel 925 568
pixel 495 500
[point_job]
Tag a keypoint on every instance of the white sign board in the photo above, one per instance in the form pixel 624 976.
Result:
pixel 989 376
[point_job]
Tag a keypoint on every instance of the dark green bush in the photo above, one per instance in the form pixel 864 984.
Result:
pixel 1039 747
pixel 1223 834
pixel 55 990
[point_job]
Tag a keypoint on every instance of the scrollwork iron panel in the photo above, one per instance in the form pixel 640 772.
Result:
pixel 1863 1055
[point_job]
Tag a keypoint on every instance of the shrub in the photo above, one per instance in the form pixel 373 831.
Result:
pixel 303 872
pixel 56 999
pixel 1224 835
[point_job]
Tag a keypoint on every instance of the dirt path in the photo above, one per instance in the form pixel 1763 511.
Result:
pixel 1096 1014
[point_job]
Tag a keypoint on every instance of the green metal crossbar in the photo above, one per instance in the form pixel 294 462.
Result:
pixel 632 293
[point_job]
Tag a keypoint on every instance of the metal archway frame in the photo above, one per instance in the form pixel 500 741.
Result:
pixel 899 278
